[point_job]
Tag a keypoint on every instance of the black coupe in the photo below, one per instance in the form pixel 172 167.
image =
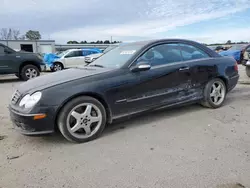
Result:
pixel 130 79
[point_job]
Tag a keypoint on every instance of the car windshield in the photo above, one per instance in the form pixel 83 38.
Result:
pixel 117 57
pixel 62 53
pixel 109 48
pixel 237 47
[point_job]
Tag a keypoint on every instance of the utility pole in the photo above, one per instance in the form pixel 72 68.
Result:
pixel 111 40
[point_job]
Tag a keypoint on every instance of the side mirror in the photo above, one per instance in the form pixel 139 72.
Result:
pixel 141 66
pixel 8 52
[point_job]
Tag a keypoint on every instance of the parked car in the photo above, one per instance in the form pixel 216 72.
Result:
pixel 93 57
pixel 236 51
pixel 130 79
pixel 68 59
pixel 24 65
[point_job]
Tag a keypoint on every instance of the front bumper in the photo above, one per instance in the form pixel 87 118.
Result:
pixel 49 67
pixel 26 124
pixel 43 68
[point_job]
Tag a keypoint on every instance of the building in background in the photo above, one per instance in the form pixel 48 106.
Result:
pixel 47 46
pixel 38 46
pixel 63 47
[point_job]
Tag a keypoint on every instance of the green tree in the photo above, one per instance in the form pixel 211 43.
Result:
pixel 106 42
pixel 33 35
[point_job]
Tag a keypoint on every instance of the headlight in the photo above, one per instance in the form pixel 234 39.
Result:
pixel 28 101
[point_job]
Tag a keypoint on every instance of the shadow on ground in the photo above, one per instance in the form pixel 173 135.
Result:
pixel 149 117
pixel 9 80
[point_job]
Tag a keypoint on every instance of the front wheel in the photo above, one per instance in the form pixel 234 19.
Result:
pixel 248 71
pixel 82 119
pixel 29 72
pixel 214 93
pixel 57 67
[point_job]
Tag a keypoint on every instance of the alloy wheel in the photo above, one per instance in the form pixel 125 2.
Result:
pixel 217 93
pixel 57 67
pixel 84 120
pixel 31 73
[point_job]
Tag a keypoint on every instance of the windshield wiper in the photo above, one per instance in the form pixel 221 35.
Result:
pixel 96 65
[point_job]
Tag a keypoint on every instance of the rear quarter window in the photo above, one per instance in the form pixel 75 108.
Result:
pixel 190 52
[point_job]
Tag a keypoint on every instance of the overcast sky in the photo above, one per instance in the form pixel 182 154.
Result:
pixel 130 20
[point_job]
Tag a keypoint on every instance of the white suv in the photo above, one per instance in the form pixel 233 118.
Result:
pixel 70 58
pixel 93 57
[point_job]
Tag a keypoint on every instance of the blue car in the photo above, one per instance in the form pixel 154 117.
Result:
pixel 236 51
pixel 68 59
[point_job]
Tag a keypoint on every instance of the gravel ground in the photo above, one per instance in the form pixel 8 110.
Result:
pixel 186 147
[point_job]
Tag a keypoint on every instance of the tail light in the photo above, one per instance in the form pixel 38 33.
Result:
pixel 236 67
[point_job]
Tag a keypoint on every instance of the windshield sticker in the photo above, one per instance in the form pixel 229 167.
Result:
pixel 128 52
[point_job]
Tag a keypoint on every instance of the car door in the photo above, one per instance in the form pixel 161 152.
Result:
pixel 80 59
pixel 73 58
pixel 166 83
pixel 201 70
pixel 8 61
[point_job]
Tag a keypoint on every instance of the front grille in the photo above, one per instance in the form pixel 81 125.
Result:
pixel 15 97
pixel 23 126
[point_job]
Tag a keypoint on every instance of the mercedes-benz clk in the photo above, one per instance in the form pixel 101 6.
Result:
pixel 130 79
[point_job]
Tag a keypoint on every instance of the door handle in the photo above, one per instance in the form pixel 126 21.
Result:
pixel 184 69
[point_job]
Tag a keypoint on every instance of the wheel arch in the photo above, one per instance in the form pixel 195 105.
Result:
pixel 29 63
pixel 59 63
pixel 89 94
pixel 225 80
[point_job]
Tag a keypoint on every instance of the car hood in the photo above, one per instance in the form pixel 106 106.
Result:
pixel 50 58
pixel 233 53
pixel 60 77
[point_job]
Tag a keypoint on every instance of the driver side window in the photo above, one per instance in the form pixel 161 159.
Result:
pixel 248 49
pixel 162 54
pixel 74 54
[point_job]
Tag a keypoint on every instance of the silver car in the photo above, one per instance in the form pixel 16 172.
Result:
pixel 93 57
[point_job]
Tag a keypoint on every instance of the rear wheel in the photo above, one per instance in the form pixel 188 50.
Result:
pixel 214 93
pixel 82 119
pixel 29 72
pixel 248 71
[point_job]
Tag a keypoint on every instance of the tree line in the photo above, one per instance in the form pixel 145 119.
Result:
pixel 97 42
pixel 15 34
pixel 228 43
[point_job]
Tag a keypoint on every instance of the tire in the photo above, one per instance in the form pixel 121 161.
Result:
pixel 82 120
pixel 17 75
pixel 57 67
pixel 210 96
pixel 33 70
pixel 248 71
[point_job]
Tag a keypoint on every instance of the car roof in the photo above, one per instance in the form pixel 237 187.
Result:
pixel 148 42
pixel 88 49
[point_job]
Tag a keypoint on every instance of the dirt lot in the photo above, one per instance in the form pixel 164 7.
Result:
pixel 186 147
